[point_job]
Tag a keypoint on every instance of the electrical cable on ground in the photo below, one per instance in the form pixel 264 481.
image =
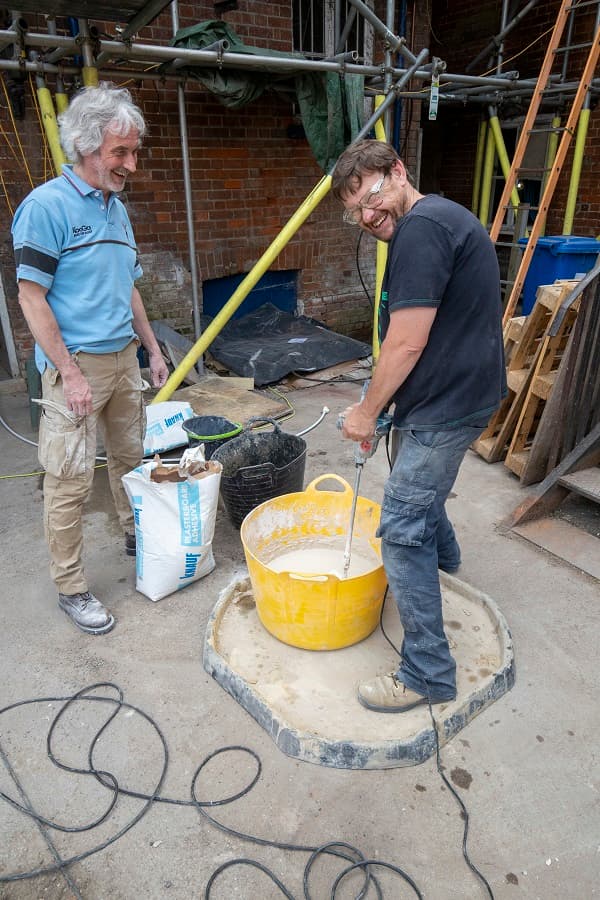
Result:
pixel 338 849
pixel 350 854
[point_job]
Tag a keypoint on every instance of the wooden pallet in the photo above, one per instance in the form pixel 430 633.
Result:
pixel 545 369
pixel 523 344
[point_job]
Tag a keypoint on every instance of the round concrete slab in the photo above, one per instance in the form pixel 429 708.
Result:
pixel 306 700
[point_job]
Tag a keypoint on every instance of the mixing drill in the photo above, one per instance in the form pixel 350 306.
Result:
pixel 363 451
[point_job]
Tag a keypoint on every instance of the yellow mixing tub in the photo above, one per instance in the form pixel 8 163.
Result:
pixel 315 610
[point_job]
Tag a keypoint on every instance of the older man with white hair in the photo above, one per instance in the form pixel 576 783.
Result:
pixel 77 263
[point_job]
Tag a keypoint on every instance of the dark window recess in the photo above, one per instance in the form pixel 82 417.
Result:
pixel 278 288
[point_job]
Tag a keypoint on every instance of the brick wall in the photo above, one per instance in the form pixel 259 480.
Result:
pixel 460 30
pixel 249 175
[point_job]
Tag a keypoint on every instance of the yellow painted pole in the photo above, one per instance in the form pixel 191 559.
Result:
pixel 244 288
pixel 486 180
pixel 582 130
pixel 503 157
pixel 381 252
pixel 90 76
pixel 285 235
pixel 551 150
pixel 481 137
pixel 51 127
pixel 61 100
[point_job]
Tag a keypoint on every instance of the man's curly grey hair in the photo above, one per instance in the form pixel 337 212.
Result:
pixel 92 113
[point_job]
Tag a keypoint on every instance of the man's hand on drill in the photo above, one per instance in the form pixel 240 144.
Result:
pixel 358 425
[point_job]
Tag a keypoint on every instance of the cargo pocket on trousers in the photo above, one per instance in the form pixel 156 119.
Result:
pixel 62 444
pixel 404 514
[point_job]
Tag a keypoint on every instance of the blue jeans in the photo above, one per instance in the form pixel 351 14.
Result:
pixel 417 538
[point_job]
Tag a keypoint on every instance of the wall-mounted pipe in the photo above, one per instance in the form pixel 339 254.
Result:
pixel 271 253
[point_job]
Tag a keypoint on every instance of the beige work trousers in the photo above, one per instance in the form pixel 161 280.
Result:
pixel 67 451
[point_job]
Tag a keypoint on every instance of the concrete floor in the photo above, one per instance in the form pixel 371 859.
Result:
pixel 526 767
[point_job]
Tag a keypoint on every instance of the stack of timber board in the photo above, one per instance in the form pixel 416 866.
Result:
pixel 530 352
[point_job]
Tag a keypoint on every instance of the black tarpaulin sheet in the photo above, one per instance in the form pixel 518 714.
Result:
pixel 269 344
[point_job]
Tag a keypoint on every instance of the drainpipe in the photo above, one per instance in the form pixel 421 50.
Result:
pixel 187 186
pixel 49 119
pixel 288 231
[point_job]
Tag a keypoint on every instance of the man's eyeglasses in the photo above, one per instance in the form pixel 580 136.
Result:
pixel 372 199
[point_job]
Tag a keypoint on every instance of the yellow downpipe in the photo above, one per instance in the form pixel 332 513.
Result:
pixel 486 181
pixel 244 288
pixel 381 252
pixel 503 158
pixel 481 136
pixel 582 129
pixel 51 128
pixel 90 76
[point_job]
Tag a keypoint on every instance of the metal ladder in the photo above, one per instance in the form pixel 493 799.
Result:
pixel 567 6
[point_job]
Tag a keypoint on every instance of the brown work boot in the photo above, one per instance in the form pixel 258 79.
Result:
pixel 386 694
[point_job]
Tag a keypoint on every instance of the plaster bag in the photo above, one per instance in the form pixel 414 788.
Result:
pixel 175 508
pixel 163 426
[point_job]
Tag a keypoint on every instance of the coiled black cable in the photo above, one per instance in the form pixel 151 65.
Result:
pixel 339 849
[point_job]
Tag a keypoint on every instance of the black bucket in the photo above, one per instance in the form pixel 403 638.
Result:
pixel 212 431
pixel 258 467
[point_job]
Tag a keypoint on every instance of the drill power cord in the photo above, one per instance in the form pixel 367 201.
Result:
pixel 457 797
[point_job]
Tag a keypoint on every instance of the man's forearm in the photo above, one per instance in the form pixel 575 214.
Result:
pixel 43 325
pixel 392 369
pixel 141 325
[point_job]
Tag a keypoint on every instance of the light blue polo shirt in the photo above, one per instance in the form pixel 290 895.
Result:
pixel 68 239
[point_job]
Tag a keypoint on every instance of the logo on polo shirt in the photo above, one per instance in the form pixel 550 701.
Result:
pixel 78 230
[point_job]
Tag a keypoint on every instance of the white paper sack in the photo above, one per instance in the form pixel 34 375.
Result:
pixel 174 528
pixel 163 426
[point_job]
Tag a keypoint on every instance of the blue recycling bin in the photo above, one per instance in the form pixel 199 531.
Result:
pixel 557 257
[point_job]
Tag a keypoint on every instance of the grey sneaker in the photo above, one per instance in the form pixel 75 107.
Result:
pixel 130 544
pixel 86 612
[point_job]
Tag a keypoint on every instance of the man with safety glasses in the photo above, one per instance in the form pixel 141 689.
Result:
pixel 441 364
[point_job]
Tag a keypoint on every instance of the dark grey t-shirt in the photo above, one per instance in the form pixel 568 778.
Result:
pixel 441 256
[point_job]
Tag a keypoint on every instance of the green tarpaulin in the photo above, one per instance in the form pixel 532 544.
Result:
pixel 331 104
